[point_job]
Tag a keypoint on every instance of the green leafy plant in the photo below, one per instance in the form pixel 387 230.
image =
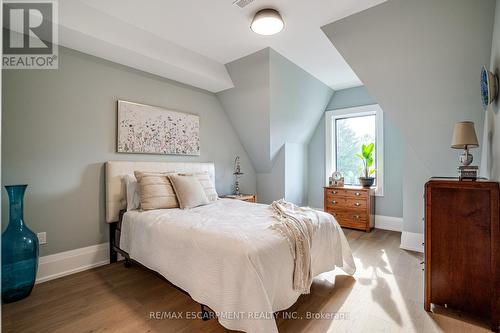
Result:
pixel 367 157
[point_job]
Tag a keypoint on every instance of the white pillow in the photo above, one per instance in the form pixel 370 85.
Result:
pixel 132 191
pixel 206 183
pixel 189 191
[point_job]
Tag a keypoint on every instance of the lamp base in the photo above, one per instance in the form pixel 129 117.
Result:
pixel 466 158
pixel 468 172
pixel 237 188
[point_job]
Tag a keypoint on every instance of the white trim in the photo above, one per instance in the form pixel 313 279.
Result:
pixel 69 262
pixel 383 222
pixel 65 263
pixel 412 241
pixel 330 140
pixel 388 223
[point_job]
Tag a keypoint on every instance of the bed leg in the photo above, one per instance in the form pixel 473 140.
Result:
pixel 113 256
pixel 127 263
pixel 204 313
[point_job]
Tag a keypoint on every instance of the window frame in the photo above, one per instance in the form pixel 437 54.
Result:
pixel 330 139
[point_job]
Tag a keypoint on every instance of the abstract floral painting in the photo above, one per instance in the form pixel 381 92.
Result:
pixel 154 130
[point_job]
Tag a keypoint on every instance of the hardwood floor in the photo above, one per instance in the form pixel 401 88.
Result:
pixel 385 295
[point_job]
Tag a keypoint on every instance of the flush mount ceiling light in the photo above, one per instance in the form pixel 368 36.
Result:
pixel 267 22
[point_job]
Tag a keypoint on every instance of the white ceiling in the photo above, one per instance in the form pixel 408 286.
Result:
pixel 189 41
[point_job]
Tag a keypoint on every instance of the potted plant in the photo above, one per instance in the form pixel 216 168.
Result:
pixel 366 180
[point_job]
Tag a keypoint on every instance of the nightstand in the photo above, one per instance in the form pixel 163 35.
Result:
pixel 242 197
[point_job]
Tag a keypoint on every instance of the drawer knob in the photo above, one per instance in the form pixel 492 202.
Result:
pixel 334 192
pixel 357 217
pixel 334 202
pixel 357 204
pixel 357 194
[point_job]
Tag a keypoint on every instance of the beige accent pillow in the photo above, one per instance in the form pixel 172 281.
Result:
pixel 155 190
pixel 189 191
pixel 206 183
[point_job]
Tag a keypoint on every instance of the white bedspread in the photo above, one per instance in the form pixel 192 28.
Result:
pixel 226 256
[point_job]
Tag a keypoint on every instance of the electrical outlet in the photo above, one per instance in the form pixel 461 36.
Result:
pixel 42 237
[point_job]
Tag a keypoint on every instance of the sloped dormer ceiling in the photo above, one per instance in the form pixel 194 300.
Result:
pixel 421 61
pixel 298 101
pixel 190 41
pixel 273 102
pixel 87 29
pixel 248 106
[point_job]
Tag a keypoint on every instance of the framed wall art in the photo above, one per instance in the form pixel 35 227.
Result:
pixel 150 129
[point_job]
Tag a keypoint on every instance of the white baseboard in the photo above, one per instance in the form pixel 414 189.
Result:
pixel 65 263
pixel 412 241
pixel 73 261
pixel 388 223
pixel 384 222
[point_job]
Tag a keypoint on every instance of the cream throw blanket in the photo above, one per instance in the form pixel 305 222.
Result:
pixel 298 226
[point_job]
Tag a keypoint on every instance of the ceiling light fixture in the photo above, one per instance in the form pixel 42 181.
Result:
pixel 267 22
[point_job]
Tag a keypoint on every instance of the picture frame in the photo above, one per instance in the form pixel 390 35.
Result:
pixel 147 129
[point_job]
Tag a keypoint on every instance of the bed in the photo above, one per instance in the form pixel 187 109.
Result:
pixel 224 254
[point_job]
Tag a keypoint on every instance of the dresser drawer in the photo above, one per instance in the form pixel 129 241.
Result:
pixel 356 217
pixel 349 223
pixel 336 192
pixel 332 193
pixel 334 213
pixel 350 219
pixel 353 216
pixel 357 194
pixel 356 203
pixel 346 203
pixel 335 202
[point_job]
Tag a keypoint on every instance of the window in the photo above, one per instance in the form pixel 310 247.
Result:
pixel 346 131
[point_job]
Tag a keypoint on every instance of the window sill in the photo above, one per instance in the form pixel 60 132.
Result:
pixel 379 192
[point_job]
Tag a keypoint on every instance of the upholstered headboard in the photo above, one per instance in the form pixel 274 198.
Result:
pixel 115 187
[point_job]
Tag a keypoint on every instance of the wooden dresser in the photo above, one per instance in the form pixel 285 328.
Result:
pixel 352 206
pixel 462 247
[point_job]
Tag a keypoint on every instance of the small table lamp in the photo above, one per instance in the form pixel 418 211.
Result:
pixel 464 137
pixel 237 174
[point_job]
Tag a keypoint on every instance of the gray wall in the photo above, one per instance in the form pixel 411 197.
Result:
pixel 420 60
pixel 59 127
pixel 495 67
pixel 271 185
pixel 296 173
pixel 247 106
pixel 297 102
pixel 348 98
pixel 491 146
pixel 391 204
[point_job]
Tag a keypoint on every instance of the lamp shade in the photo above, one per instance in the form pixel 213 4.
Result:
pixel 464 136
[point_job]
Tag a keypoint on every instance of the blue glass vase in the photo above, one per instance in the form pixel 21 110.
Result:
pixel 19 250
